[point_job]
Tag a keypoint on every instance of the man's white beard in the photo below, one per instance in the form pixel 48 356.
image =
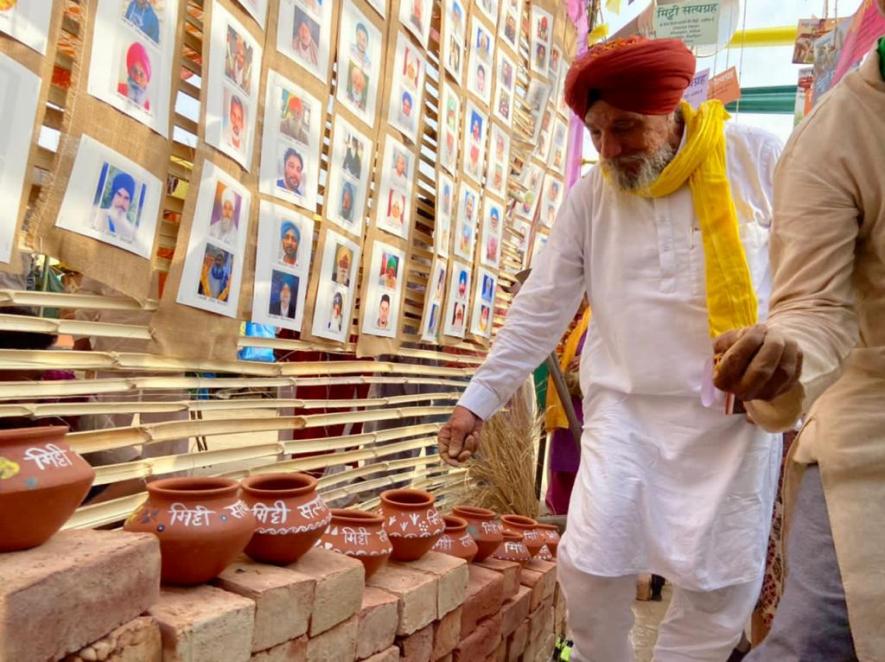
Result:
pixel 117 214
pixel 650 168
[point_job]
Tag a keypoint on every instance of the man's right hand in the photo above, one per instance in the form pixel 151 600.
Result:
pixel 459 437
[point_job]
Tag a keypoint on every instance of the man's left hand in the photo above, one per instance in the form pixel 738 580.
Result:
pixel 757 363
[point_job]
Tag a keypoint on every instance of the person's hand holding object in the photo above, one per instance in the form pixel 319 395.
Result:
pixel 459 437
pixel 756 363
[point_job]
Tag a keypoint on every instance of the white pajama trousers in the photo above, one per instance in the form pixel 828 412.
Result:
pixel 700 626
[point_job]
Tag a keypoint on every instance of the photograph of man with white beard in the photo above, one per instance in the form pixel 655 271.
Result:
pixel 118 200
pixel 225 215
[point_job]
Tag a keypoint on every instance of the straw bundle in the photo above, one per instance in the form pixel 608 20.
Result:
pixel 502 476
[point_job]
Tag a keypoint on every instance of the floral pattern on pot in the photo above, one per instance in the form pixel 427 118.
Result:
pixel 412 522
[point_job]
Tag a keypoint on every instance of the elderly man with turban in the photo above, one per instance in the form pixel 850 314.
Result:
pixel 225 228
pixel 667 238
pixel 138 76
pixel 114 220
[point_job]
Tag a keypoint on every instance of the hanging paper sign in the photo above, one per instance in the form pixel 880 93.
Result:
pixel 725 86
pixel 697 92
pixel 696 22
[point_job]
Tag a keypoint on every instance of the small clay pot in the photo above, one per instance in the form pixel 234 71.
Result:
pixel 483 527
pixel 291 516
pixel 411 521
pixel 455 541
pixel 550 535
pixel 513 548
pixel 201 523
pixel 545 555
pixel 42 481
pixel 360 535
pixel 529 529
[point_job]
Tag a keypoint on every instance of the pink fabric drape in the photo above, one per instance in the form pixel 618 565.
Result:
pixel 577 12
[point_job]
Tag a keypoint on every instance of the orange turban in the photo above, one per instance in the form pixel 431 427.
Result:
pixel 639 75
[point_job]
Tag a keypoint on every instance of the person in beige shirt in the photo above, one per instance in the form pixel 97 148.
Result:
pixel 821 355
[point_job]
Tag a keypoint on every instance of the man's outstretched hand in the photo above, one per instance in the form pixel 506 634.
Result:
pixel 459 437
pixel 757 363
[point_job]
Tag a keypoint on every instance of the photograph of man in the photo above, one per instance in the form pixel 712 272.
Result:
pixel 112 216
pixel 238 60
pixel 141 14
pixel 405 111
pixel 434 320
pixel 353 157
pixel 357 84
pixel 540 56
pixel 400 163
pixel 417 15
pixel 283 295
pixel 389 269
pixel 359 49
pixel 224 216
pixel 454 54
pixel 481 80
pixel 510 28
pixel 462 284
pixel 484 314
pixel 343 260
pixel 458 316
pixel 305 35
pixel 345 209
pixel 215 279
pixel 383 320
pixel 235 122
pixel 293 172
pixel 488 288
pixel 290 237
pixel 483 44
pixel 138 76
pixel 295 121
pixel 336 317
pixel 395 206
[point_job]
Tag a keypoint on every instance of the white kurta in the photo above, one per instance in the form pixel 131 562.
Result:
pixel 665 485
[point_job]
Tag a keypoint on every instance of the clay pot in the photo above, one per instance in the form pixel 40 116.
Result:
pixel 290 516
pixel 201 523
pixel 359 535
pixel 455 541
pixel 545 555
pixel 513 548
pixel 550 535
pixel 411 521
pixel 42 481
pixel 528 528
pixel 483 527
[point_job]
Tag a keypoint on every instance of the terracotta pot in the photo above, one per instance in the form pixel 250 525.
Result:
pixel 411 521
pixel 550 534
pixel 360 535
pixel 528 528
pixel 201 523
pixel 513 548
pixel 483 527
pixel 42 481
pixel 290 515
pixel 545 555
pixel 455 541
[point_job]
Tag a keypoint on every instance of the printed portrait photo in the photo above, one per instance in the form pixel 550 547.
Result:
pixel 290 239
pixel 336 313
pixel 292 172
pixel 343 262
pixel 234 120
pixel 238 60
pixel 295 118
pixel 283 295
pixel 357 86
pixel 347 202
pixel 119 200
pixel 347 184
pixel 217 273
pixel 353 155
pixel 135 76
pixel 225 220
pixel 389 270
pixel 142 15
pixel 401 164
pixel 383 321
pixel 474 143
pixel 305 38
pixel 396 207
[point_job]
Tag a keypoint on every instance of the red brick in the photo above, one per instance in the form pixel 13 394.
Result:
pixel 339 587
pixel 484 597
pixel 501 653
pixel 509 570
pixel 388 655
pixel 540 576
pixel 339 643
pixel 138 640
pixel 283 600
pixel 540 630
pixel 417 593
pixel 377 622
pixel 446 633
pixel 417 647
pixel 57 598
pixel 446 658
pixel 515 611
pixel 517 642
pixel 452 575
pixel 291 651
pixel 482 642
pixel 204 623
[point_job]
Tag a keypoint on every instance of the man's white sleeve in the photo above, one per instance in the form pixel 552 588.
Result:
pixel 539 314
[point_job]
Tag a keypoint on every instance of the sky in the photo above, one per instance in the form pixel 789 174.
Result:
pixel 757 67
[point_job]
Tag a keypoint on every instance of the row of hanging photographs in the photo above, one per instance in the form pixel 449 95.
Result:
pixel 116 201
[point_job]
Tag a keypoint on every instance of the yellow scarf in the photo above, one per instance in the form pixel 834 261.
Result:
pixel 555 416
pixel 731 300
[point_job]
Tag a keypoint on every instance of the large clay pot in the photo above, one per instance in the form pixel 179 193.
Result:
pixel 360 535
pixel 455 541
pixel 513 548
pixel 201 522
pixel 42 481
pixel 550 535
pixel 528 528
pixel 483 527
pixel 412 522
pixel 290 515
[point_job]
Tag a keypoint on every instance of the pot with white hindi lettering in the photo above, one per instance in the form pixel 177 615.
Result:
pixel 42 481
pixel 202 525
pixel 291 516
